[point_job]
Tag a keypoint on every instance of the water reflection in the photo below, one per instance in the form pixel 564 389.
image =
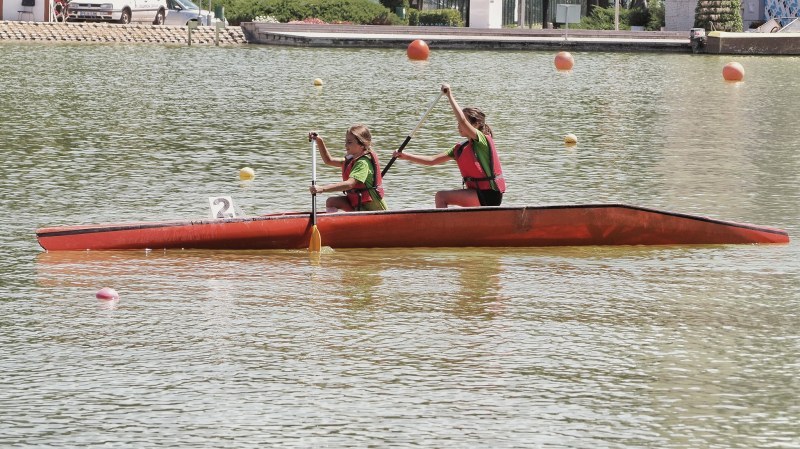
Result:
pixel 479 280
pixel 470 279
pixel 555 326
pixel 112 304
pixel 353 277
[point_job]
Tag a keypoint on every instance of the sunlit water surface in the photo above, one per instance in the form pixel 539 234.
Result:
pixel 594 347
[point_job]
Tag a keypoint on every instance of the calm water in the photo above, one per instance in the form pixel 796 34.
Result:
pixel 679 347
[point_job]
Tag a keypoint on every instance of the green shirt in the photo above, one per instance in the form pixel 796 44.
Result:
pixel 481 148
pixel 362 172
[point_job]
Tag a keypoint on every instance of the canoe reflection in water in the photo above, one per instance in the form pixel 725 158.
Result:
pixel 159 274
pixel 459 280
pixel 462 282
pixel 479 295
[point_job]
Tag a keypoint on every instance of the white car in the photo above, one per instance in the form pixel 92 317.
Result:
pixel 181 12
pixel 120 11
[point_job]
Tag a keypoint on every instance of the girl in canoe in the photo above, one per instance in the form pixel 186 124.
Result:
pixel 361 173
pixel 476 157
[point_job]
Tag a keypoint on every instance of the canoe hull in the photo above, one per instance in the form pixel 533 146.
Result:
pixel 578 225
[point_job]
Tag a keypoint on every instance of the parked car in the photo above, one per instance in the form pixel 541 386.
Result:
pixel 120 11
pixel 181 12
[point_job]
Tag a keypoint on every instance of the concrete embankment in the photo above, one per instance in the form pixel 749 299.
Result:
pixel 115 33
pixel 464 38
pixel 366 36
pixel 363 36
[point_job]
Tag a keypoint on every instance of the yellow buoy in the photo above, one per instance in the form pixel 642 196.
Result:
pixel 570 139
pixel 247 173
pixel 317 82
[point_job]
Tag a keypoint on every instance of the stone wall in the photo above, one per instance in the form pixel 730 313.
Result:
pixel 109 32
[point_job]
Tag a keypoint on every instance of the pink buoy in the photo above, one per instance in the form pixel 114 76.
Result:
pixel 107 294
pixel 733 71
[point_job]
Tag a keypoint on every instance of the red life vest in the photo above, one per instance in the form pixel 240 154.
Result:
pixel 474 175
pixel 360 193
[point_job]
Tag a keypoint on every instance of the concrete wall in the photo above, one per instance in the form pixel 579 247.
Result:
pixel 679 15
pixel 752 11
pixel 107 32
pixel 753 43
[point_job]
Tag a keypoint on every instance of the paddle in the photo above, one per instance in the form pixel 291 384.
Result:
pixel 408 138
pixel 315 244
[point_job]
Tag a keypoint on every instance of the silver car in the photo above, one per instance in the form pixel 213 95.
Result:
pixel 181 12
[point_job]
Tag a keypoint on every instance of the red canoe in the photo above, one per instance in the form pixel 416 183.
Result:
pixel 569 225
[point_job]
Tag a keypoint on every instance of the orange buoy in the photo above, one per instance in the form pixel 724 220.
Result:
pixel 564 61
pixel 733 71
pixel 418 50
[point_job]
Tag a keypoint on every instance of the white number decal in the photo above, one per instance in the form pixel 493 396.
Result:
pixel 221 207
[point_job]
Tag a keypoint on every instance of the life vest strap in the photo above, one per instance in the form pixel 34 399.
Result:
pixel 375 188
pixel 358 192
pixel 490 178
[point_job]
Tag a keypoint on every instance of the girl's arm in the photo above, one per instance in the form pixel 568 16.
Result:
pixel 323 151
pixel 423 160
pixel 472 133
pixel 335 187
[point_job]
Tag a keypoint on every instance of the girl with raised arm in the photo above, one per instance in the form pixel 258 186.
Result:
pixel 476 157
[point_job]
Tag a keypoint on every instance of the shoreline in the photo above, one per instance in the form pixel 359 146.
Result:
pixel 357 36
pixel 381 36
pixel 102 32
pixel 454 38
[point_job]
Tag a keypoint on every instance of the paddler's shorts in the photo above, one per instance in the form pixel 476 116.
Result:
pixel 490 197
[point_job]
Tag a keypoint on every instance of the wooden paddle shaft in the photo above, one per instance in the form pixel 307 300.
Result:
pixel 313 181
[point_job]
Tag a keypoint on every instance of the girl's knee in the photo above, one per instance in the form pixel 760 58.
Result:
pixel 441 199
pixel 335 203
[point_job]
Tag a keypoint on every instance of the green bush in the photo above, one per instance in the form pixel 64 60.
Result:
pixel 651 18
pixel 387 18
pixel 603 19
pixel 435 17
pixel 364 12
pixel 392 5
pixel 657 19
pixel 638 17
pixel 413 17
